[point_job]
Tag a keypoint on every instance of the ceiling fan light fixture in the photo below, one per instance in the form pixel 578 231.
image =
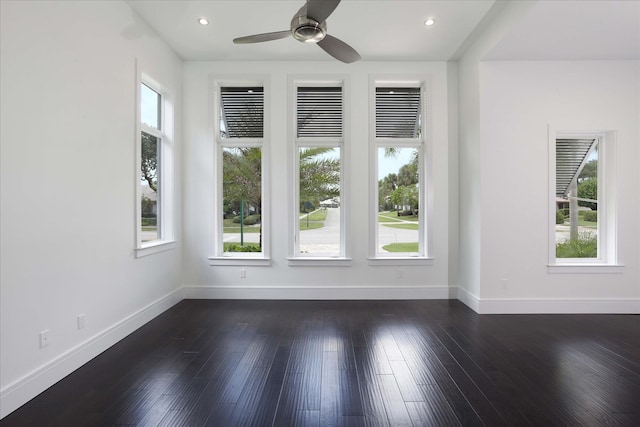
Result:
pixel 307 30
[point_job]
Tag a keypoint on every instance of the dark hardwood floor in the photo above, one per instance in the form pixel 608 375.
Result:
pixel 354 363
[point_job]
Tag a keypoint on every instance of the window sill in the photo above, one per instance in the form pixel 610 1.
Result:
pixel 319 262
pixel 585 268
pixel 150 248
pixel 236 260
pixel 392 261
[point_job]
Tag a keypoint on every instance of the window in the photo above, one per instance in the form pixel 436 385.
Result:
pixel 240 172
pixel 582 214
pixel 154 216
pixel 399 179
pixel 319 207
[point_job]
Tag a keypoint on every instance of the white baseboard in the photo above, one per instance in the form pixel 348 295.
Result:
pixel 29 386
pixel 560 306
pixel 335 292
pixel 549 305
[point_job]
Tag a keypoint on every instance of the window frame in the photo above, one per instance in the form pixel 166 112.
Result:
pixel 295 257
pixel 425 179
pixel 607 261
pixel 239 258
pixel 166 168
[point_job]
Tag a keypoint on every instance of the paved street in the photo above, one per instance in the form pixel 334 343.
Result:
pixel 326 240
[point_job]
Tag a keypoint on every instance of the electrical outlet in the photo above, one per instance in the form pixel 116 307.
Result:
pixel 503 282
pixel 243 273
pixel 400 274
pixel 80 321
pixel 44 338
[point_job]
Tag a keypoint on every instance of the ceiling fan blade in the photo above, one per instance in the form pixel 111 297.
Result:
pixel 319 10
pixel 265 37
pixel 339 49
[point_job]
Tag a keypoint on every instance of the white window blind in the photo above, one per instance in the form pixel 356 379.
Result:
pixel 242 112
pixel 319 112
pixel 398 112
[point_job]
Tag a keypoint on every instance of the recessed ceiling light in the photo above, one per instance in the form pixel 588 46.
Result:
pixel 429 22
pixel 203 21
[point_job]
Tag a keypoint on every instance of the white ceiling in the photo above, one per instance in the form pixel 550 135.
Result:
pixel 393 30
pixel 382 30
pixel 574 30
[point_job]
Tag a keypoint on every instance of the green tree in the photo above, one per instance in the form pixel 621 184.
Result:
pixel 149 163
pixel 588 189
pixel 319 175
pixel 590 170
pixel 405 197
pixel 242 172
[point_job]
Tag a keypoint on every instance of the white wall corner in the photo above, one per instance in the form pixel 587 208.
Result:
pixel 26 388
pixel 468 299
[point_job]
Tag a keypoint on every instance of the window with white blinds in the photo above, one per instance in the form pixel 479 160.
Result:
pixel 241 112
pixel 241 157
pixel 398 112
pixel 399 172
pixel 319 208
pixel 319 112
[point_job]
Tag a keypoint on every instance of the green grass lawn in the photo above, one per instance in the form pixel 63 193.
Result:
pixel 404 226
pixel 319 215
pixel 392 216
pixel 401 247
pixel 236 247
pixel 312 225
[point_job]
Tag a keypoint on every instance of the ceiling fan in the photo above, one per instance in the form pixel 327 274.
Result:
pixel 309 25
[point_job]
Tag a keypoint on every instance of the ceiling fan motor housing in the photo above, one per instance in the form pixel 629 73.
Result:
pixel 307 30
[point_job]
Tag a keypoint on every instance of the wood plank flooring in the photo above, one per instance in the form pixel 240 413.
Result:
pixel 354 363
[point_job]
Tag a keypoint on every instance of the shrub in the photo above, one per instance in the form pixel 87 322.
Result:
pixel 590 216
pixel 248 247
pixel 145 222
pixel 585 246
pixel 559 217
pixel 565 212
pixel 248 220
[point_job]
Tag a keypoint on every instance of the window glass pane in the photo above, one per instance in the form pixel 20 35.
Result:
pixel 398 200
pixel 242 199
pixel 319 210
pixel 398 112
pixel 241 112
pixel 576 228
pixel 149 186
pixel 150 107
pixel 319 112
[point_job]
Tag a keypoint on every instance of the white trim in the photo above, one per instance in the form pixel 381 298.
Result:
pixel 424 144
pixel 154 247
pixel 166 218
pixel 319 262
pixel 319 292
pixel 216 82
pixel 581 268
pixel 469 299
pixel 30 385
pixel 239 261
pixel 559 306
pixel 400 260
pixel 342 143
pixel 607 215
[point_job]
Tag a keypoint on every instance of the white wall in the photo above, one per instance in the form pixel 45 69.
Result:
pixel 518 102
pixel 279 280
pixel 500 19
pixel 68 179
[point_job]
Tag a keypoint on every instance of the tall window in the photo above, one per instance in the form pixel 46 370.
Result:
pixel 399 153
pixel 579 199
pixel 155 157
pixel 240 140
pixel 319 202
